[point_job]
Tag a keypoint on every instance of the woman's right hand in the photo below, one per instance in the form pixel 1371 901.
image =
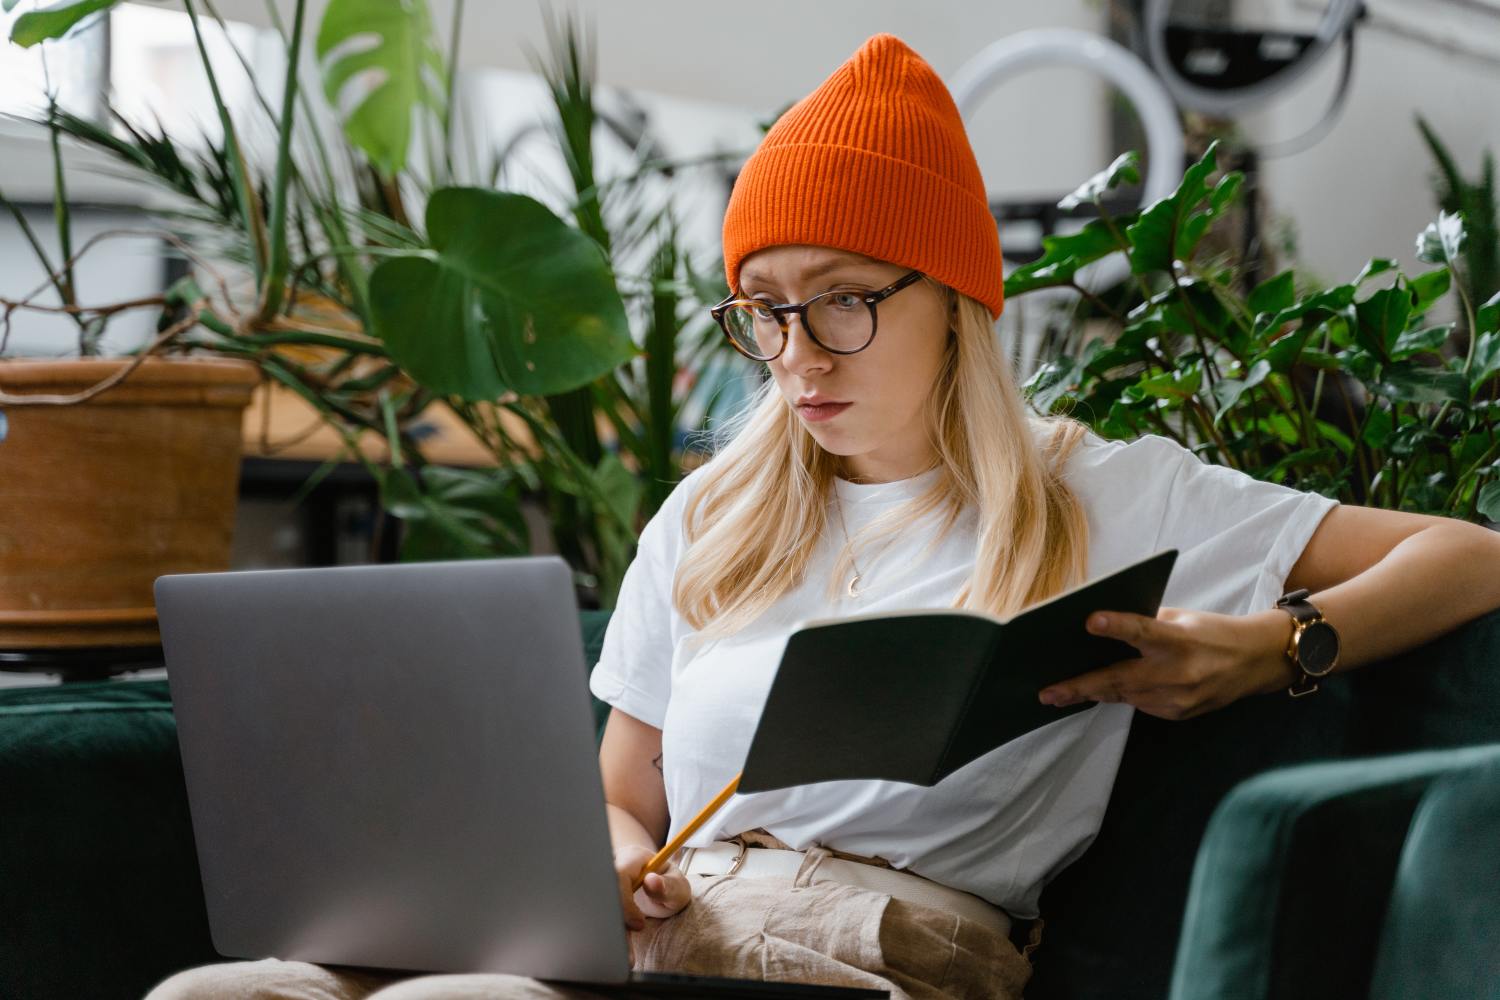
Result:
pixel 664 893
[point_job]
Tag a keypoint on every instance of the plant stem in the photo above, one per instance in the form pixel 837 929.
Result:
pixel 273 285
pixel 455 32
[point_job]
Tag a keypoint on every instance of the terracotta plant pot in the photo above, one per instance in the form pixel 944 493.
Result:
pixel 100 498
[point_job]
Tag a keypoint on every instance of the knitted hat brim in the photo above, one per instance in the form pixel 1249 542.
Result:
pixel 864 202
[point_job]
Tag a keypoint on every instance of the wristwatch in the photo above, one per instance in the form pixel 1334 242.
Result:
pixel 1314 645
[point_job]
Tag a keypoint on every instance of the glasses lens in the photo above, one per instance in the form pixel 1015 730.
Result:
pixel 841 321
pixel 754 329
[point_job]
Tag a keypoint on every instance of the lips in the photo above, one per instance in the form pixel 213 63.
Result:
pixel 819 411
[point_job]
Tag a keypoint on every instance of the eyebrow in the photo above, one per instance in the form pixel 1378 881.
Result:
pixel 815 271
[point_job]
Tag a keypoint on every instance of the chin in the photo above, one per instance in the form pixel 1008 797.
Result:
pixel 832 441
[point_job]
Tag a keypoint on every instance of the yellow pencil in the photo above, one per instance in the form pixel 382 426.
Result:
pixel 687 831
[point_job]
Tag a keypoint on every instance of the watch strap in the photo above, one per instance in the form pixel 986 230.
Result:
pixel 1303 612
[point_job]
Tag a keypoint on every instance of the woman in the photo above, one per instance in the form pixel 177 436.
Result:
pixel 889 462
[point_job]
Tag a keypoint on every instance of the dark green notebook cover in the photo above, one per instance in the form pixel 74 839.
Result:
pixel 913 696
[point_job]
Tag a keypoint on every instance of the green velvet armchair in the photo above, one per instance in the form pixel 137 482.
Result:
pixel 100 895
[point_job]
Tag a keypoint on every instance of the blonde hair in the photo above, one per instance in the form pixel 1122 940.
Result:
pixel 753 522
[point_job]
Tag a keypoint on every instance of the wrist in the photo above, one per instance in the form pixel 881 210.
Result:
pixel 1270 669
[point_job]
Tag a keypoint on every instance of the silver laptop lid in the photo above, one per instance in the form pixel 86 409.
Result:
pixel 395 766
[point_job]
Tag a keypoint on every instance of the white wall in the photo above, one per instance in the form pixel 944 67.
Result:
pixel 1364 190
pixel 1041 134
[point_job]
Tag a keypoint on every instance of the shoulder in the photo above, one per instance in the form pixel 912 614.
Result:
pixel 662 538
pixel 1151 459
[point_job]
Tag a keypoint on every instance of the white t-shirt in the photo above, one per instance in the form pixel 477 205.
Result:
pixel 1002 826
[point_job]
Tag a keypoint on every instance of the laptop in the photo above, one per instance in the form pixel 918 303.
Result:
pixel 394 766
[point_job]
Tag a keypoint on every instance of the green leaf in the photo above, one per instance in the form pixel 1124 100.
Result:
pixel 1428 288
pixel 1330 300
pixel 1197 223
pixel 1228 391
pixel 1171 229
pixel 1051 381
pixel 1061 258
pixel 1125 170
pixel 1409 439
pixel 1381 319
pixel 1302 458
pixel 1284 351
pixel 510 298
pixel 1487 317
pixel 1314 358
pixel 1408 383
pixel 1120 422
pixel 456 513
pixel 1274 294
pixel 1441 241
pixel 1378 427
pixel 52 22
pixel 1377 266
pixel 386 49
pixel 1425 341
pixel 1177 385
pixel 1489 500
pixel 1486 362
pixel 620 487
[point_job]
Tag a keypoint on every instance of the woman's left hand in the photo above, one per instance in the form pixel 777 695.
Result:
pixel 1191 662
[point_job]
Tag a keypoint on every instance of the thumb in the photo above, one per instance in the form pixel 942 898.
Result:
pixel 655 885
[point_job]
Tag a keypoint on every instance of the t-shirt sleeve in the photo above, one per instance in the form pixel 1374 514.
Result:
pixel 634 672
pixel 1237 536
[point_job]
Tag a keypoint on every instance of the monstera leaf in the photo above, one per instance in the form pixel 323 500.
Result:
pixel 508 299
pixel 380 64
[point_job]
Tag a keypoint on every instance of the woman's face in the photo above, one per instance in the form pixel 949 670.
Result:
pixel 877 425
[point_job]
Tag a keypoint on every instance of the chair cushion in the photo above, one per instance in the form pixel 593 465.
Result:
pixel 99 887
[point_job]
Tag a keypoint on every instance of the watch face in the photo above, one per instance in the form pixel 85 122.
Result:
pixel 1318 649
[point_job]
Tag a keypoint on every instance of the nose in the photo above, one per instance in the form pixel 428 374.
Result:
pixel 802 353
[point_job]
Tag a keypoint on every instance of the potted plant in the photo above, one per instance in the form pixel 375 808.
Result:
pixel 377 290
pixel 509 294
pixel 1353 390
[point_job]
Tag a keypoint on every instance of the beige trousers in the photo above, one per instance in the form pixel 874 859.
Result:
pixel 804 930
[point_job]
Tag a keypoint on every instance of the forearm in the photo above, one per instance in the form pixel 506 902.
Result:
pixel 625 829
pixel 1428 584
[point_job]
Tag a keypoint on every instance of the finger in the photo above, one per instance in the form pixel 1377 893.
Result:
pixel 634 918
pixel 666 894
pixel 1115 683
pixel 1125 626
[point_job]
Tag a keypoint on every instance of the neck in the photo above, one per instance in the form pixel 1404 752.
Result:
pixel 866 470
pixel 866 474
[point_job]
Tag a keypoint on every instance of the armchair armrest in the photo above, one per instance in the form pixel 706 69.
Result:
pixel 1292 881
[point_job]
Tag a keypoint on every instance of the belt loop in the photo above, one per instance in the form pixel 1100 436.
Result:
pixel 810 862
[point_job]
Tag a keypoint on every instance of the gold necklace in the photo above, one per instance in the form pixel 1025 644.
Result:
pixel 854 590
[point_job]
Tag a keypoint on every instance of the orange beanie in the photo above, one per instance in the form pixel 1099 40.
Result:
pixel 875 161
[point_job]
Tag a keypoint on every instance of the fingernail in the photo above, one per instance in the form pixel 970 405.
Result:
pixel 1047 698
pixel 1101 621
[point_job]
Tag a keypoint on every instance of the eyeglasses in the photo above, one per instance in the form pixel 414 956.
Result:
pixel 839 321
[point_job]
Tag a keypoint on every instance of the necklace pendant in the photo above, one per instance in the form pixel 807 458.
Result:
pixel 854 590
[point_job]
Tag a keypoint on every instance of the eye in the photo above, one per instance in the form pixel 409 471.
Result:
pixel 847 300
pixel 762 309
